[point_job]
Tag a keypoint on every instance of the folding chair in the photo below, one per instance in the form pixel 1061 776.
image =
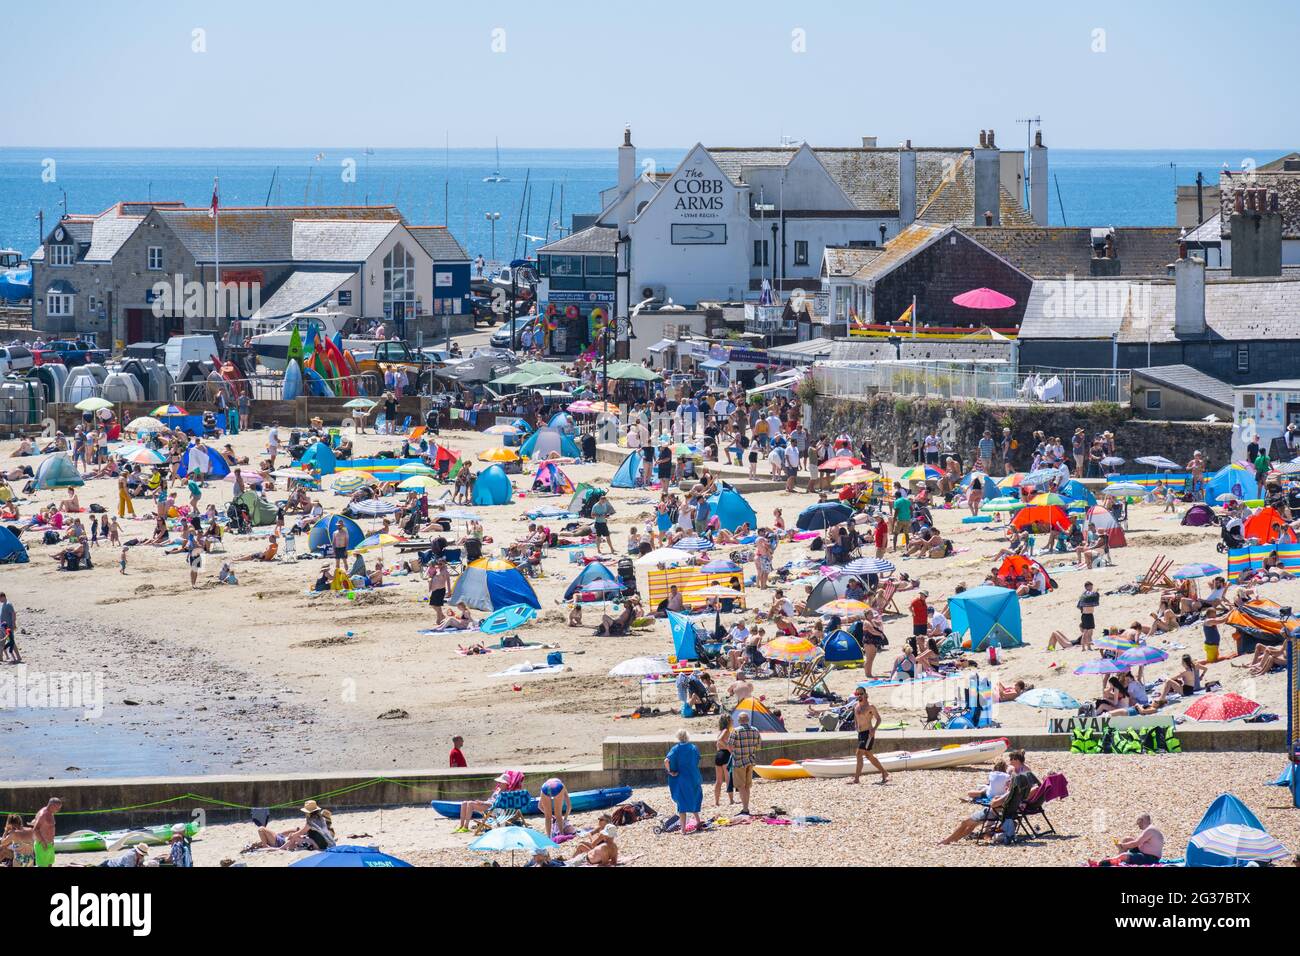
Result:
pixel 888 604
pixel 1053 787
pixel 810 679
pixel 1157 575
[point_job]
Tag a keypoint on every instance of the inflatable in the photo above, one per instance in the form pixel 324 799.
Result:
pixel 584 801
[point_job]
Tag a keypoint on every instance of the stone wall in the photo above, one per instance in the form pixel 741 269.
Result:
pixel 893 421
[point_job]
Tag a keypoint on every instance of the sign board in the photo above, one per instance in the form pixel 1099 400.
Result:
pixel 442 279
pixel 1067 725
pixel 580 297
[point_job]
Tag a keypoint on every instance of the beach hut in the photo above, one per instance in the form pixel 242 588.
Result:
pixel 260 511
pixel 628 473
pixel 58 471
pixel 1226 810
pixel 591 573
pixel 492 487
pixel 760 718
pixel 321 536
pixel 1231 479
pixel 12 551
pixel 491 583
pixel 320 456
pixel 842 648
pixel 731 509
pixel 202 460
pixel 546 442
pixel 550 477
pixel 988 615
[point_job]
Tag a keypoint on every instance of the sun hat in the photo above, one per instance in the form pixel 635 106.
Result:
pixel 177 828
pixel 141 848
pixel 310 807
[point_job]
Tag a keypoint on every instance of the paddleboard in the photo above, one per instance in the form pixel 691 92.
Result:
pixel 292 381
pixel 99 841
pixel 318 385
pixel 583 801
pixel 964 755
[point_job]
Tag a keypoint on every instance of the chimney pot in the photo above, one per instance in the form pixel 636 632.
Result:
pixel 984 136
pixel 627 135
pixel 1182 249
pixel 909 144
pixel 992 144
pixel 1038 138
pixel 868 142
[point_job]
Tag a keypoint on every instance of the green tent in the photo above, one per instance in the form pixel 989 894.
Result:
pixel 579 494
pixel 260 511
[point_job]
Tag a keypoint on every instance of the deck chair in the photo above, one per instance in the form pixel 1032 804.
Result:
pixel 1157 576
pixel 889 605
pixel 381 423
pixel 1053 787
pixel 406 425
pixel 498 818
pixel 810 679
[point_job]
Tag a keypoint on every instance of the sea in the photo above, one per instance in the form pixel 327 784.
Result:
pixel 499 220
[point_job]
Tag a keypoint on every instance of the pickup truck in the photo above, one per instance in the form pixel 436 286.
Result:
pixel 70 353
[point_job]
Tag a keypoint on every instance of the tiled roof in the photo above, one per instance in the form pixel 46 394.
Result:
pixel 337 240
pixel 592 240
pixel 1067 250
pixel 1141 311
pixel 109 234
pixel 439 243
pixel 1190 380
pixel 257 234
pixel 846 260
pixel 902 247
pixel 301 291
pixel 1209 231
pixel 1286 185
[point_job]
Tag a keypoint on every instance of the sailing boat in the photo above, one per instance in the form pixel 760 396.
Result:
pixel 496 176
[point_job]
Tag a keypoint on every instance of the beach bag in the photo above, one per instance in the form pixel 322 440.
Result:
pixel 50 537
pixel 554 658
pixel 97 509
pixel 670 825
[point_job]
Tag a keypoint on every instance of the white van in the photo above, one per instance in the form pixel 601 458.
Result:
pixel 188 348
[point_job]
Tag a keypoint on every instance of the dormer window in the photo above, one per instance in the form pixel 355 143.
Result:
pixel 61 254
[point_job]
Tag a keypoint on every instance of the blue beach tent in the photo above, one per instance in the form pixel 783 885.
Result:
pixel 321 457
pixel 58 471
pixel 1074 490
pixel 1231 480
pixel 547 441
pixel 988 485
pixel 351 856
pixel 203 460
pixel 731 509
pixel 589 574
pixel 628 472
pixel 683 631
pixel 489 584
pixel 990 615
pixel 12 550
pixel 321 536
pixel 1225 809
pixel 492 487
pixel 842 648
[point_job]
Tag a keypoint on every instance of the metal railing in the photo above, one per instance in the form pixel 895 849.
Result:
pixel 983 383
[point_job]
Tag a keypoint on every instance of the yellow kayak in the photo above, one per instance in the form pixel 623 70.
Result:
pixel 787 771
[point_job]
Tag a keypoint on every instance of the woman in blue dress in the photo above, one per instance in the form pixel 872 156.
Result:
pixel 683 766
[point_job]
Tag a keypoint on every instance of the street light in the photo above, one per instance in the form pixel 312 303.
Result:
pixel 492 217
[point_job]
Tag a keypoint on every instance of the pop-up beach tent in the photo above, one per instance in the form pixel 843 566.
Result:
pixel 829 589
pixel 683 631
pixel 842 648
pixel 1074 490
pixel 58 471
pixel 202 460
pixel 1199 515
pixel 589 574
pixel 1266 526
pixel 321 457
pixel 990 615
pixel 492 487
pixel 760 718
pixel 550 477
pixel 321 536
pixel 549 441
pixel 260 511
pixel 1231 479
pixel 731 509
pixel 580 496
pixel 12 550
pixel 1225 810
pixel 492 583
pixel 628 472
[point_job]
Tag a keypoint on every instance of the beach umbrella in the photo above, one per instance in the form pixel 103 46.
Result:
pixel 1112 461
pixel 1112 643
pixel 719 591
pixel 414 468
pixel 681 450
pixel 720 566
pixel 855 476
pixel 1001 505
pixel 1197 569
pixel 377 541
pixel 600 408
pixel 1048 698
pixel 521 839
pixel 1040 477
pixel 501 430
pixel 1159 462
pixel 693 544
pixel 580 407
pixel 869 566
pixel 418 483
pixel 139 455
pixel 1102 666
pixel 823 515
pixel 667 556
pixel 839 463
pixel 641 667
pixel 167 410
pixel 983 298
pixel 1237 841
pixel 1052 500
pixel 844 607
pixel 145 424
pixel 294 474
pixel 1012 480
pixel 632 372
pixel 458 514
pixel 1124 489
pixel 360 403
pixel 791 649
pixel 498 454
pixel 921 473
pixel 349 481
pixel 373 508
pixel 92 404
pixel 507 619
pixel 1101 519
pixel 1223 707
pixel 1142 655
pixel 351 856
pixel 1227 498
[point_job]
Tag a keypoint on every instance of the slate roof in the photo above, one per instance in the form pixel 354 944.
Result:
pixel 1210 231
pixel 841 261
pixel 301 290
pixel 1190 380
pixel 1065 250
pixel 439 243
pixel 337 240
pixel 109 234
pixel 593 240
pixel 1235 310
pixel 257 233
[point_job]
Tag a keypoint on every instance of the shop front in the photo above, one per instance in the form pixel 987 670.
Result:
pixel 573 321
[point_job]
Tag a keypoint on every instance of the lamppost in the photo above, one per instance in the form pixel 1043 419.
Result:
pixel 492 217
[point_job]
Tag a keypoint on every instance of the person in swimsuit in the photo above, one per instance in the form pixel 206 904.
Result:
pixel 1185 683
pixel 722 762
pixel 866 718
pixel 554 803
pixel 439 581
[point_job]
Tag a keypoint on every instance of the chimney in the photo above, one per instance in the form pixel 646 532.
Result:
pixel 1038 180
pixel 1189 297
pixel 1255 228
pixel 906 185
pixel 988 181
pixel 868 142
pixel 626 181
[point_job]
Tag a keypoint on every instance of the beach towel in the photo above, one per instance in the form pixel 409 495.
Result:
pixel 528 668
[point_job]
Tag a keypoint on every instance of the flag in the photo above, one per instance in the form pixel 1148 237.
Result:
pixel 856 325
pixel 906 317
pixel 212 212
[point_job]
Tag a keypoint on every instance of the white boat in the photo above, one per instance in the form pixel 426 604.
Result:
pixel 270 343
pixel 496 176
pixel 986 751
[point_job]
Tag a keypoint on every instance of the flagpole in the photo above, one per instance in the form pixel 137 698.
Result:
pixel 216 218
pixel 913 316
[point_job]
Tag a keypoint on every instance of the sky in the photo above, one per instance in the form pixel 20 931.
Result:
pixel 571 73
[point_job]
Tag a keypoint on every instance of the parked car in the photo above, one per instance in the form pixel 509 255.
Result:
pixel 70 352
pixel 15 358
pixel 503 338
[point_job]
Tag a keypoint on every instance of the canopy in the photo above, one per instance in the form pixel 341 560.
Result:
pixel 204 461
pixel 58 471
pixel 551 477
pixel 731 509
pixel 1226 809
pixel 633 372
pixel 320 456
pixel 491 583
pixel 1231 479
pixel 12 551
pixel 590 573
pixel 627 473
pixel 546 442
pixel 760 718
pixel 321 536
pixel 990 615
pixel 1267 526
pixel 492 487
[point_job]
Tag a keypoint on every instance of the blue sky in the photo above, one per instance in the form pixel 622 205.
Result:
pixel 400 73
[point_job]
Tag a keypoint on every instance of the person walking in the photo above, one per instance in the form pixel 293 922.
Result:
pixel 745 742
pixel 866 718
pixel 682 765
pixel 8 631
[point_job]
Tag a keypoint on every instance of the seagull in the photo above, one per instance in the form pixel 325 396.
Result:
pixel 534 238
pixel 1210 418
pixel 636 309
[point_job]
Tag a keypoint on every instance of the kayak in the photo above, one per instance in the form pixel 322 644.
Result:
pixel 787 771
pixel 583 801
pixel 98 841
pixel 960 756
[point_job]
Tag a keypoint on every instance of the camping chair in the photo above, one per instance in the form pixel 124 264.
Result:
pixel 381 423
pixel 500 817
pixel 1053 787
pixel 810 678
pixel 406 425
pixel 1157 576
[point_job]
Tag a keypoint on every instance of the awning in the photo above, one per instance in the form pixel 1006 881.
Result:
pixel 661 345
pixel 713 363
pixel 60 287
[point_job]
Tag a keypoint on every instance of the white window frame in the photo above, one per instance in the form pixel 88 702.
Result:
pixel 66 305
pixel 1243 357
pixel 61 251
pixel 91 304
pixel 1154 399
pixel 154 259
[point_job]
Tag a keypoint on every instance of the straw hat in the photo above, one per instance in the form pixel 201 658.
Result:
pixel 141 848
pixel 310 807
pixel 178 829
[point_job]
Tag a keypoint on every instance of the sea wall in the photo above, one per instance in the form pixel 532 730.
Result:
pixel 893 421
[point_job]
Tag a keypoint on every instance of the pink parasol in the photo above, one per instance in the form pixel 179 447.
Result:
pixel 984 299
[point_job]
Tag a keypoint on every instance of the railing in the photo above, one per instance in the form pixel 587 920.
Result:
pixel 986 383
pixel 767 320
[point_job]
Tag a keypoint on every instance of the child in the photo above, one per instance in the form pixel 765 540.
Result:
pixel 94 532
pixel 121 563
pixel 103 526
pixel 114 533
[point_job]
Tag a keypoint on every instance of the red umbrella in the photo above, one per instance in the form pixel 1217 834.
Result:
pixel 839 462
pixel 1222 707
pixel 984 299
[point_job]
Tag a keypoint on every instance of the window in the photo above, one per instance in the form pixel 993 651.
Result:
pixel 801 252
pixel 1243 357
pixel 760 252
pixel 862 243
pixel 566 265
pixel 92 305
pixel 61 255
pixel 1248 400
pixel 345 296
pixel 155 259
pixel 399 283
pixel 599 265
pixel 1153 399
pixel 57 304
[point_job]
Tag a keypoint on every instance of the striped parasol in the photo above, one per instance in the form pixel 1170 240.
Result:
pixel 350 481
pixel 845 607
pixel 921 473
pixel 1103 666
pixel 869 566
pixel 1237 841
pixel 791 649
pixel 1142 655
pixel 1114 643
